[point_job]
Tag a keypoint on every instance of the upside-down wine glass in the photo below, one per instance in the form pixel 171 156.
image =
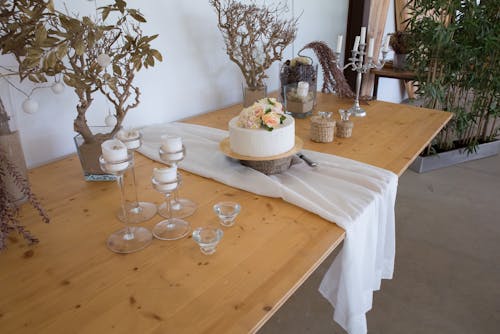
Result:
pixel 137 212
pixel 172 152
pixel 165 180
pixel 115 159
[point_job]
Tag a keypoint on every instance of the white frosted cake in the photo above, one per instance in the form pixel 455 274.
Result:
pixel 262 130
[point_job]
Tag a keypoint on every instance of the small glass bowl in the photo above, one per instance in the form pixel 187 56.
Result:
pixel 207 238
pixel 227 212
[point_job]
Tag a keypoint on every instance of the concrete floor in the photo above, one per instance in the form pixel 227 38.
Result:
pixel 447 274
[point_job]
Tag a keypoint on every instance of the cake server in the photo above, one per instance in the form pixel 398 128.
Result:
pixel 307 160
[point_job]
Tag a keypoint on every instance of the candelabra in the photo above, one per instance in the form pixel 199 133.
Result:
pixel 356 64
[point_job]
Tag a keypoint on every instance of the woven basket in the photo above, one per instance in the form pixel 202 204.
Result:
pixel 269 167
pixel 344 129
pixel 322 129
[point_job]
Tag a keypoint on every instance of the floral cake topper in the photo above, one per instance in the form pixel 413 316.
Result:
pixel 265 113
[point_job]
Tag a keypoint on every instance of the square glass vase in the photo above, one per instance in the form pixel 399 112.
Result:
pixel 89 153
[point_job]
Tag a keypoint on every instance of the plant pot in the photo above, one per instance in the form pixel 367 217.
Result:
pixel 11 145
pixel 252 94
pixel 445 159
pixel 399 61
pixel 89 154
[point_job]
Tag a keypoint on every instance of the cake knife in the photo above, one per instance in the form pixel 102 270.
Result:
pixel 307 160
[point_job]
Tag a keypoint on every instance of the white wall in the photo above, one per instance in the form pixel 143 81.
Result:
pixel 196 76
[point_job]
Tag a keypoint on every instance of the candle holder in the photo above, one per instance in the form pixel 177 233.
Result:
pixel 131 238
pixel 171 228
pixel 136 212
pixel 179 207
pixel 356 64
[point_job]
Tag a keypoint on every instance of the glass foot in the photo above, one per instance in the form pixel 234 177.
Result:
pixel 137 214
pixel 129 240
pixel 357 111
pixel 181 208
pixel 171 229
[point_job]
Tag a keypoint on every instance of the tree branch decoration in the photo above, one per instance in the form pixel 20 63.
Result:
pixel 98 54
pixel 255 37
pixel 333 78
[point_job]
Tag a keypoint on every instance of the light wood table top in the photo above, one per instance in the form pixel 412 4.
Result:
pixel 70 282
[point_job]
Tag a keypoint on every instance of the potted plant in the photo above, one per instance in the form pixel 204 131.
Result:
pixel 93 55
pixel 454 53
pixel 399 42
pixel 255 37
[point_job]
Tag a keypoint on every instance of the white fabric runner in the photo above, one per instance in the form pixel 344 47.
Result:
pixel 358 197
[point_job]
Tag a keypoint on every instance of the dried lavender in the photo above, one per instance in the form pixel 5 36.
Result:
pixel 8 209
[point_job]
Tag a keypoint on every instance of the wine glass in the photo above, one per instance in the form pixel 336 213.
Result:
pixel 131 238
pixel 173 152
pixel 165 180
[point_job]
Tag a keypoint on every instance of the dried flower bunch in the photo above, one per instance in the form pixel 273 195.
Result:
pixel 298 69
pixel 399 42
pixel 98 54
pixel 255 37
pixel 8 208
pixel 333 77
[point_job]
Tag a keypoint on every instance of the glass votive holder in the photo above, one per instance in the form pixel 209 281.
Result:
pixel 207 238
pixel 227 212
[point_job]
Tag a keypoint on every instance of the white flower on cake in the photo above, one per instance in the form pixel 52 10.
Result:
pixel 266 113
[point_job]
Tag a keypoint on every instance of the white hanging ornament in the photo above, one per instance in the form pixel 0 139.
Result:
pixel 30 106
pixel 103 60
pixel 110 120
pixel 57 88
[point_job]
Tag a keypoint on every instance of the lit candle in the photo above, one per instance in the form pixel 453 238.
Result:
pixel 302 88
pixel 166 178
pixel 114 151
pixel 131 138
pixel 172 147
pixel 370 47
pixel 363 35
pixel 386 45
pixel 356 44
pixel 339 43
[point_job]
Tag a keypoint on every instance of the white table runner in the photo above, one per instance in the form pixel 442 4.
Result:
pixel 358 197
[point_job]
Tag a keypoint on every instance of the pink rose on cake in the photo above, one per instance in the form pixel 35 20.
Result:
pixel 266 113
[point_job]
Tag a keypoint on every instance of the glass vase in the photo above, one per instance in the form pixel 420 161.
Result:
pixel 252 94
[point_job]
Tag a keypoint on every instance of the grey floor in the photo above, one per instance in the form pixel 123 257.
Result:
pixel 447 272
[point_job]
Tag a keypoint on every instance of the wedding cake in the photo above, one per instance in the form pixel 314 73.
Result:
pixel 262 130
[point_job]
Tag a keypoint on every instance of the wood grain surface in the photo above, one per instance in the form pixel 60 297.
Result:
pixel 71 283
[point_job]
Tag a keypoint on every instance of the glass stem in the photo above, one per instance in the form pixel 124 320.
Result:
pixel 136 207
pixel 119 180
pixel 168 205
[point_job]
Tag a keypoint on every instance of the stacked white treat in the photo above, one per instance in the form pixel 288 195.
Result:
pixel 262 130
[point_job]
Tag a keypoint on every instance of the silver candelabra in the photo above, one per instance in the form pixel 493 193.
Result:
pixel 356 64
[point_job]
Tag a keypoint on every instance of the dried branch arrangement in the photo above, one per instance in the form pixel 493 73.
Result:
pixel 98 54
pixel 333 78
pixel 255 37
pixel 8 209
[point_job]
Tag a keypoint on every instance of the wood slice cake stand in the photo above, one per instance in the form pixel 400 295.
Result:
pixel 268 165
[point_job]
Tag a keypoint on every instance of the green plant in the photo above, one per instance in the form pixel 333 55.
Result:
pixel 98 54
pixel 399 42
pixel 455 55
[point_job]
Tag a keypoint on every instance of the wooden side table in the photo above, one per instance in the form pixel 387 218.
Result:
pixel 389 72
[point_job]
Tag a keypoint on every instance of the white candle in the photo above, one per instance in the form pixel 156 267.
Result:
pixel 302 88
pixel 386 45
pixel 356 44
pixel 166 178
pixel 114 151
pixel 339 43
pixel 131 138
pixel 171 147
pixel 363 35
pixel 370 47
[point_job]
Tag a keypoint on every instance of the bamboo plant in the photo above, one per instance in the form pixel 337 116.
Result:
pixel 455 55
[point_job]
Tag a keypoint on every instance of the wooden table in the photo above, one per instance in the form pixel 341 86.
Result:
pixel 390 72
pixel 70 282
